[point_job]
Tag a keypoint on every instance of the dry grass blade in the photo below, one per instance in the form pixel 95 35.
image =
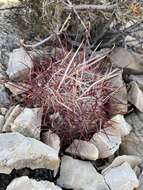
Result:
pixel 70 63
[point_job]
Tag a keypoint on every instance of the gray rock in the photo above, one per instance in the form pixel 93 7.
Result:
pixel 133 143
pixel 80 175
pixel 19 65
pixel 28 122
pixel 24 183
pixel 134 39
pixel 120 94
pixel 135 96
pixel 4 97
pixel 17 88
pixel 9 35
pixel 137 171
pixel 17 151
pixel 121 178
pixel 3 75
pixel 83 149
pixel 130 62
pixel 140 182
pixel 138 79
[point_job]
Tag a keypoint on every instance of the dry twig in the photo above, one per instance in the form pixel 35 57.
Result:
pixel 11 8
pixel 92 7
pixel 49 37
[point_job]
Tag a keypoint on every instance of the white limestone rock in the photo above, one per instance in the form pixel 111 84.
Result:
pixel 11 115
pixel 131 41
pixel 80 175
pixel 9 111
pixel 19 64
pixel 9 3
pixel 107 141
pixel 24 183
pixel 3 110
pixel 2 120
pixel 51 139
pixel 28 122
pixel 18 151
pixel 83 149
pixel 135 96
pixel 132 160
pixel 121 178
pixel 121 125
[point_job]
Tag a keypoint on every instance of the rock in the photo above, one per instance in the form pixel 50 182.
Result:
pixel 107 141
pixel 4 97
pixel 11 116
pixel 8 3
pixel 28 122
pixel 121 125
pixel 24 183
pixel 51 139
pixel 9 35
pixel 140 182
pixel 19 65
pixel 133 143
pixel 18 151
pixel 80 175
pixel 138 79
pixel 137 171
pixel 135 96
pixel 134 38
pixel 2 74
pixel 120 95
pixel 131 41
pixel 133 161
pixel 83 149
pixel 121 178
pixel 17 88
pixel 9 110
pixel 126 60
pixel 3 110
pixel 2 120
